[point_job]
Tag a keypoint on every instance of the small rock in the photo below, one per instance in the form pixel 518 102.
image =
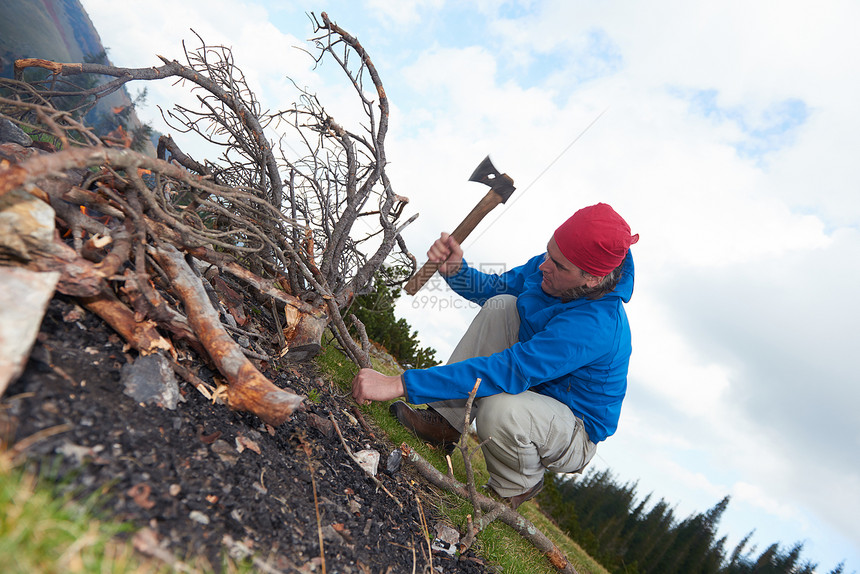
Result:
pixel 199 517
pixel 225 452
pixel 174 489
pixel 243 442
pixel 368 460
pixel 321 424
pixel 392 465
pixel 447 533
pixel 331 535
pixel 150 380
pixel 446 539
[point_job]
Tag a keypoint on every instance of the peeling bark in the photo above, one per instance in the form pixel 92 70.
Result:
pixel 248 390
pixel 142 335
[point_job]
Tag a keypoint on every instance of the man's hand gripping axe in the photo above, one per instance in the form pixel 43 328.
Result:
pixel 501 188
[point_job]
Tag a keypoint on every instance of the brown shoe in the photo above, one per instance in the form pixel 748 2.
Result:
pixel 515 501
pixel 427 424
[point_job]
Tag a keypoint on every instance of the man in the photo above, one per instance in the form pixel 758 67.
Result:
pixel 551 345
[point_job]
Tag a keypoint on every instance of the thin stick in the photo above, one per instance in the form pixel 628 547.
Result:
pixel 19 447
pixel 316 505
pixel 463 445
pixel 426 529
pixel 355 460
pixel 505 513
pixel 205 389
pixel 360 418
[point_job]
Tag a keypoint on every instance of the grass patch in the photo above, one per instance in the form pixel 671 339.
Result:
pixel 44 529
pixel 47 527
pixel 498 543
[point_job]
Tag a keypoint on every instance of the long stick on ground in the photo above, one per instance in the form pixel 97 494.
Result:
pixel 506 514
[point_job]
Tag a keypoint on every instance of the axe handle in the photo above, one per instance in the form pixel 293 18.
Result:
pixel 485 206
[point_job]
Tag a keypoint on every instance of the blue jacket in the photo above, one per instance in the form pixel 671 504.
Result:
pixel 576 352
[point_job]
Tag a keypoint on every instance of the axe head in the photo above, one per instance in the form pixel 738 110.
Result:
pixel 500 183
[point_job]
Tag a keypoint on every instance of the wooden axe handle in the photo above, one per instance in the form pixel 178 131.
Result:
pixel 485 206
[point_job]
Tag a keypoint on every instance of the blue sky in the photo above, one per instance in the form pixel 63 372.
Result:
pixel 727 137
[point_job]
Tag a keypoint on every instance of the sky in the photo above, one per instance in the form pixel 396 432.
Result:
pixel 725 133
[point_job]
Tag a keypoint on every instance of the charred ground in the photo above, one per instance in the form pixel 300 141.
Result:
pixel 209 481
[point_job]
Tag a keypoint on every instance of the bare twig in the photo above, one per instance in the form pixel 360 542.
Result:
pixel 425 529
pixel 10 456
pixel 505 513
pixel 375 480
pixel 463 445
pixel 360 418
pixel 307 450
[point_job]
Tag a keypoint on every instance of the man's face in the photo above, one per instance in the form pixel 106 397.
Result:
pixel 560 275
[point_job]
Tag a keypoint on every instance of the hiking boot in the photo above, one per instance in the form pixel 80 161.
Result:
pixel 426 424
pixel 515 501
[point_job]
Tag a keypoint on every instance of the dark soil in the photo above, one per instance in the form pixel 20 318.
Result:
pixel 194 475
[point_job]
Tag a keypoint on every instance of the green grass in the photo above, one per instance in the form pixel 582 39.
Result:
pixel 44 529
pixel 498 543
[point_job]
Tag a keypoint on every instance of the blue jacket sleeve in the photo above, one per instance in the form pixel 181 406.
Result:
pixel 477 286
pixel 571 340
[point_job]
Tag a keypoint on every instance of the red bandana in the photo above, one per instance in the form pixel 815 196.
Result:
pixel 595 239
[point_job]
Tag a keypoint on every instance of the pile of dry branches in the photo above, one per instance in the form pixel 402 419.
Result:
pixel 139 231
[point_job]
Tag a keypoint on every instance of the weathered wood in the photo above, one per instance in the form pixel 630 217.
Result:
pixel 485 206
pixel 305 322
pixel 141 335
pixel 508 515
pixel 247 389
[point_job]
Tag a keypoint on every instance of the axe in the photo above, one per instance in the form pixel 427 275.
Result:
pixel 501 188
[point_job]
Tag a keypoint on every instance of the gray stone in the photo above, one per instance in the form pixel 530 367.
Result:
pixel 24 296
pixel 150 380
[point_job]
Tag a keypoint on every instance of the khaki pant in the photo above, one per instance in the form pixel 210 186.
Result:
pixel 530 432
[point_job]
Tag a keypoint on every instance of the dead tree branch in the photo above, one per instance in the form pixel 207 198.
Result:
pixel 282 225
pixel 505 513
pixel 248 389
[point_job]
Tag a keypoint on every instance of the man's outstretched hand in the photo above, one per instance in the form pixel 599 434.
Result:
pixel 369 385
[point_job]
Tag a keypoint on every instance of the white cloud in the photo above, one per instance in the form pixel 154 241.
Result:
pixel 403 12
pixel 756 496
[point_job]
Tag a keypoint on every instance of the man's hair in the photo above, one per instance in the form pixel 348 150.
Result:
pixel 606 285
